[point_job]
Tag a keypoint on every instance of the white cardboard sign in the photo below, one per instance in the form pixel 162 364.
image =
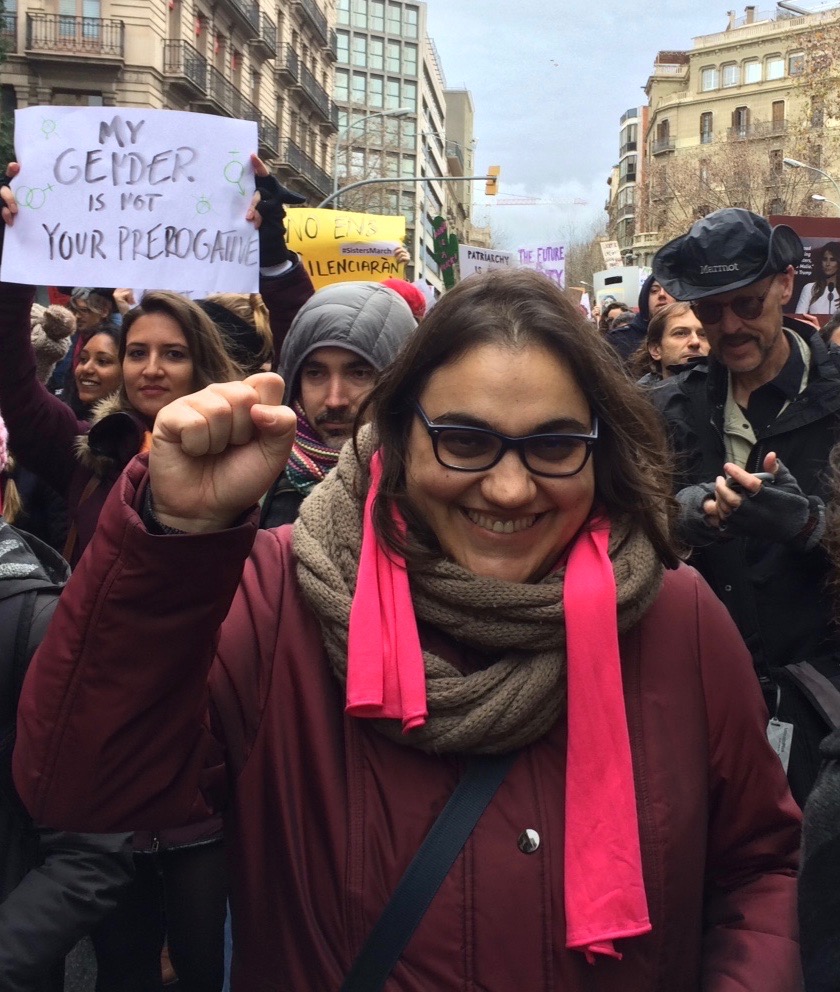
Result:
pixel 153 199
pixel 472 259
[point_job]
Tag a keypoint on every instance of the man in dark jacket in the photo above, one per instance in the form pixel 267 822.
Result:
pixel 339 342
pixel 768 401
pixel 54 886
pixel 626 340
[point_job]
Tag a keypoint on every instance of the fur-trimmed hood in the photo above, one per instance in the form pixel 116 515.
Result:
pixel 115 436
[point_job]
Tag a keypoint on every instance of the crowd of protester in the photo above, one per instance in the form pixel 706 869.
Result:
pixel 490 557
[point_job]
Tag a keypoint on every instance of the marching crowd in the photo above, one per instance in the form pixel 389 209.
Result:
pixel 486 649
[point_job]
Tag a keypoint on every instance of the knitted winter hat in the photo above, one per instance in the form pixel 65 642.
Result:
pixel 410 293
pixel 52 328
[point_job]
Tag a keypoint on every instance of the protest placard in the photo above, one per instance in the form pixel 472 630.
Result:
pixel 548 259
pixel 816 288
pixel 341 246
pixel 472 259
pixel 131 197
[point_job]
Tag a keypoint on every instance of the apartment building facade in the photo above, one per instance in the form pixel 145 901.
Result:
pixel 723 117
pixel 625 178
pixel 250 59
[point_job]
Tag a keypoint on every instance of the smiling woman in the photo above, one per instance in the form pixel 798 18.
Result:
pixel 487 571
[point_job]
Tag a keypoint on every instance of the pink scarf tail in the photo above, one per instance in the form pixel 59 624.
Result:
pixel 605 894
pixel 386 677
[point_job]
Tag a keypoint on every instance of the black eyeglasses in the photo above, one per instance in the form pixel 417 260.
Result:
pixel 746 307
pixel 476 449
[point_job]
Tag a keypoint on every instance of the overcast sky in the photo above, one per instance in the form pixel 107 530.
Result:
pixel 550 80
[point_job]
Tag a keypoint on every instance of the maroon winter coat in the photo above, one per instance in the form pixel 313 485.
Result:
pixel 43 430
pixel 118 730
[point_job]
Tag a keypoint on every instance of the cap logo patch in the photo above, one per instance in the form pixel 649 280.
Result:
pixel 707 269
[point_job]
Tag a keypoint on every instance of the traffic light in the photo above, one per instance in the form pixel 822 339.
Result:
pixel 491 187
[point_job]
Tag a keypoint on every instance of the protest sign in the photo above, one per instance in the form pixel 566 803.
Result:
pixel 445 251
pixel 131 197
pixel 472 259
pixel 340 246
pixel 548 259
pixel 816 288
pixel 612 254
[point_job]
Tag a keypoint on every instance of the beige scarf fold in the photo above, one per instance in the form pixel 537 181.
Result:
pixel 513 701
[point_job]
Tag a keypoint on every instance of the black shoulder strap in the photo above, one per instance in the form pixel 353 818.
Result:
pixel 16 613
pixel 425 875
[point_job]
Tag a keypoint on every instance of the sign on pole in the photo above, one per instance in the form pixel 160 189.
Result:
pixel 153 199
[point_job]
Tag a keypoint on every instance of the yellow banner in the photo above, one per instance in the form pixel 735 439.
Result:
pixel 339 246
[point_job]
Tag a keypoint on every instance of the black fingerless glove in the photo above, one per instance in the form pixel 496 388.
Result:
pixel 780 512
pixel 693 525
pixel 272 231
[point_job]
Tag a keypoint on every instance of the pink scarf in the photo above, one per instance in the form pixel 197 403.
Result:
pixel 605 895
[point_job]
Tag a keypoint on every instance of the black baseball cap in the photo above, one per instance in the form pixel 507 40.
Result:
pixel 726 250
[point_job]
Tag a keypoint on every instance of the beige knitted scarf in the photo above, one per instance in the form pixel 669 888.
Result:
pixel 518 697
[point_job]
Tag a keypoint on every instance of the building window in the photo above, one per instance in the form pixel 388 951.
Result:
pixel 776 161
pixel 706 128
pixel 731 74
pixel 774 67
pixel 740 122
pixel 709 78
pixel 376 15
pixel 359 88
pixel 778 116
pixel 752 71
pixel 343 11
pixel 392 94
pixel 410 60
pixel 342 85
pixel 796 64
pixel 359 13
pixel 343 46
pixel 817 111
pixel 410 22
pixel 394 23
pixel 410 95
pixel 376 90
pixel 392 57
pixel 359 50
pixel 376 54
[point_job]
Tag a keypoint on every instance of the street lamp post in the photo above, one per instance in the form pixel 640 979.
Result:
pixel 398 112
pixel 794 163
pixel 819 198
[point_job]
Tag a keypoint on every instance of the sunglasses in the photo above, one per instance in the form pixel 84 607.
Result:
pixel 476 449
pixel 745 307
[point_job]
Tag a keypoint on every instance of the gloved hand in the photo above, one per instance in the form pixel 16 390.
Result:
pixel 780 512
pixel 272 231
pixel 693 525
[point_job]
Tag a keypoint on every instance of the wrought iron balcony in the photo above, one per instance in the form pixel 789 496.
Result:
pixel 248 12
pixel 185 65
pixel 661 145
pixel 758 129
pixel 269 137
pixel 296 159
pixel 332 47
pixel 318 96
pixel 288 64
pixel 266 36
pixel 222 96
pixel 316 18
pixel 65 35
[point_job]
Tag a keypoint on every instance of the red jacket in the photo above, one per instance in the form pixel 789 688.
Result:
pixel 119 730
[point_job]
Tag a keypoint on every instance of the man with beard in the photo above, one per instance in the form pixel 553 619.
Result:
pixel 339 342
pixel 768 402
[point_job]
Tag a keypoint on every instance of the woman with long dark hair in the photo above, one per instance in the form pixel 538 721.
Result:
pixel 822 295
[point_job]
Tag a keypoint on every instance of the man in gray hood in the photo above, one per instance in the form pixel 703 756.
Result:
pixel 339 342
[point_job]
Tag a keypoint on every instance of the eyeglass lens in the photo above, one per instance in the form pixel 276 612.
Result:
pixel 475 450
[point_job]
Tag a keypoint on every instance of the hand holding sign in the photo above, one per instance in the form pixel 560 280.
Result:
pixel 268 205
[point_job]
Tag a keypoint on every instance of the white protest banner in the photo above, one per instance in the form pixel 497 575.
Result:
pixel 612 254
pixel 548 259
pixel 153 199
pixel 472 260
